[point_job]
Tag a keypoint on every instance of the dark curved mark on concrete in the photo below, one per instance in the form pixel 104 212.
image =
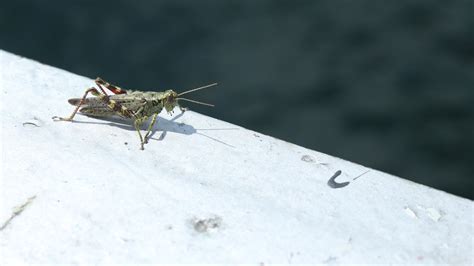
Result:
pixel 30 123
pixel 332 181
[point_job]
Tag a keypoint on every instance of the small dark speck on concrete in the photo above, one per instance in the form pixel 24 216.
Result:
pixel 307 158
pixel 330 259
pixel 205 225
pixel 126 143
pixel 332 181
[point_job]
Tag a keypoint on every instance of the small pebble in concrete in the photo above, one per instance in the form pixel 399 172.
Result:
pixel 434 214
pixel 410 212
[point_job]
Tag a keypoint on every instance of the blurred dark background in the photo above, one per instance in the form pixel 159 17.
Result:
pixel 388 84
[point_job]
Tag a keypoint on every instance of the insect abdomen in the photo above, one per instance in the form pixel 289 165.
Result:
pixel 87 101
pixel 118 108
pixel 99 112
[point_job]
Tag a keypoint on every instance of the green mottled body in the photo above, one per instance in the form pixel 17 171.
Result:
pixel 132 104
pixel 136 105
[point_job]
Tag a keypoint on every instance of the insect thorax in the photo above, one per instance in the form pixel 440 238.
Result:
pixel 156 101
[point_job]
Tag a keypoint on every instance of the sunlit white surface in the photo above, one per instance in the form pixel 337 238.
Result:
pixel 202 191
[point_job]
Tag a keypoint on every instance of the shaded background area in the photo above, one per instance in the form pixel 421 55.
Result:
pixel 388 84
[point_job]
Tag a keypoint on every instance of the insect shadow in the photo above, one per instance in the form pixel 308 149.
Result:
pixel 162 124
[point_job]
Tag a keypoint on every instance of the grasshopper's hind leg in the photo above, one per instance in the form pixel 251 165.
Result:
pixel 92 90
pixel 114 89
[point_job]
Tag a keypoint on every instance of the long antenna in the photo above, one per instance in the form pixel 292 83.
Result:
pixel 193 101
pixel 196 89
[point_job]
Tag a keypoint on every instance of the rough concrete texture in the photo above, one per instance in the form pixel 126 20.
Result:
pixel 203 190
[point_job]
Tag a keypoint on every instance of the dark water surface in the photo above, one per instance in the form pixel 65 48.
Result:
pixel 388 84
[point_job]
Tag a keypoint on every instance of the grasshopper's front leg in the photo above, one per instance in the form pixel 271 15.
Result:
pixel 150 127
pixel 138 122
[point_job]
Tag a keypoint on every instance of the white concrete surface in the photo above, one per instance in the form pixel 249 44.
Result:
pixel 205 191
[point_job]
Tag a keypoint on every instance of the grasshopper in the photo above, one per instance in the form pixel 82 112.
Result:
pixel 136 105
